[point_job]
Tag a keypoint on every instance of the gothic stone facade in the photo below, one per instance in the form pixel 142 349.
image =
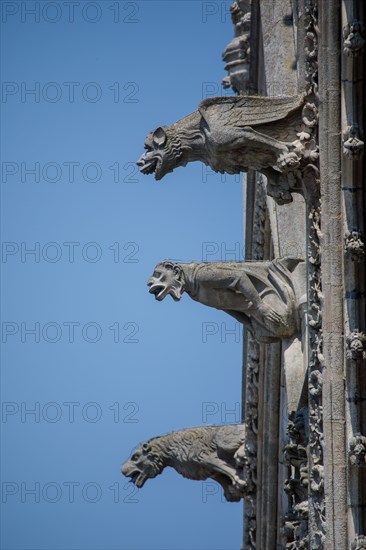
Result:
pixel 296 131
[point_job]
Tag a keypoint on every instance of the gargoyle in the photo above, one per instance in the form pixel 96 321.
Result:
pixel 262 295
pixel 214 452
pixel 234 134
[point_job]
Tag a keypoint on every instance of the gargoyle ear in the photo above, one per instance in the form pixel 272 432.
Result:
pixel 159 137
pixel 146 447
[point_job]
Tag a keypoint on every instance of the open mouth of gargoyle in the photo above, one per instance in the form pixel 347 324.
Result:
pixel 137 478
pixel 148 166
pixel 157 291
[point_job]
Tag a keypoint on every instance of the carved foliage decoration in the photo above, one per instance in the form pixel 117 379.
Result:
pixel 295 521
pixel 316 518
pixel 252 381
pixel 215 452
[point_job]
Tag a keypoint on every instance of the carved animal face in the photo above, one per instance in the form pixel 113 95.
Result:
pixel 144 464
pixel 166 279
pixel 162 156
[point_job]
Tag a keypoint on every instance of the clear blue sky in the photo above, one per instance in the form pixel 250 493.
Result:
pixel 107 366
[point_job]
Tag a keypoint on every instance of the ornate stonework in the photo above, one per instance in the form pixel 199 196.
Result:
pixel 356 345
pixel 295 521
pixel 237 53
pixel 215 452
pixel 261 295
pixel 353 35
pixel 316 504
pixel 353 146
pixel 300 486
pixel 357 450
pixel 359 543
pixel 251 381
pixel 235 134
pixel 355 246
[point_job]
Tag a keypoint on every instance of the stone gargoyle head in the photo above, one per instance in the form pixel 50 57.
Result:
pixel 166 279
pixel 162 154
pixel 144 464
pixel 168 147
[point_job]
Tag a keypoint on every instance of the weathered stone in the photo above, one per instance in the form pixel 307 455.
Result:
pixel 357 450
pixel 262 295
pixel 356 345
pixel 234 134
pixel 359 543
pixel 215 452
pixel 354 245
pixel 353 34
pixel 353 146
pixel 237 53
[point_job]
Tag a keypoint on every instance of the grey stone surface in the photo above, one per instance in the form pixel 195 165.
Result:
pixel 234 134
pixel 357 450
pixel 356 345
pixel 354 41
pixel 276 36
pixel 354 245
pixel 353 146
pixel 215 452
pixel 237 53
pixel 359 543
pixel 262 295
pixel 304 395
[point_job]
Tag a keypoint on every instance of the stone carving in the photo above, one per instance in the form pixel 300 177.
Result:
pixel 359 543
pixel 296 487
pixel 262 295
pixel 296 527
pixel 353 38
pixel 353 146
pixel 234 134
pixel 357 450
pixel 316 501
pixel 237 53
pixel 354 245
pixel 356 345
pixel 215 452
pixel 252 368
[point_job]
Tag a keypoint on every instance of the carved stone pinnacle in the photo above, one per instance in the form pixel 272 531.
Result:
pixel 237 53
